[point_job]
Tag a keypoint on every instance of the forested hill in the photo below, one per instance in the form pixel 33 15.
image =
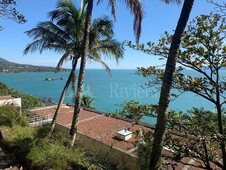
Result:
pixel 10 67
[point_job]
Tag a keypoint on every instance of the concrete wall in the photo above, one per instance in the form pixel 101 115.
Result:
pixel 62 128
pixel 15 101
pixel 111 154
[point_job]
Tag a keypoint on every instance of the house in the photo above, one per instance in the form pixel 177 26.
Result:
pixel 114 138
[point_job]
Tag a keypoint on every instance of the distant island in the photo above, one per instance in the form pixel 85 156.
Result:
pixel 10 67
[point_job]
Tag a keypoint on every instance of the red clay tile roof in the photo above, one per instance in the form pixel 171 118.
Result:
pixel 50 110
pixel 101 126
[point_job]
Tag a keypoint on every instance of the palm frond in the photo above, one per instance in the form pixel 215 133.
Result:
pixel 101 27
pixel 64 34
pixel 169 1
pixel 65 8
pixel 136 9
pixel 62 59
pixel 47 36
pixel 112 49
pixel 112 4
pixel 97 59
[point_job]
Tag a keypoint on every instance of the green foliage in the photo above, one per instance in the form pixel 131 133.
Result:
pixel 4 90
pixel 203 50
pixel 135 110
pixel 52 153
pixel 8 10
pixel 18 138
pixel 198 129
pixel 17 133
pixel 28 101
pixel 87 102
pixel 200 135
pixel 64 33
pixel 54 156
pixel 10 115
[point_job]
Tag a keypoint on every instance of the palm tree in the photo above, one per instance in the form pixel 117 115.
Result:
pixel 137 9
pixel 66 36
pixel 87 102
pixel 166 86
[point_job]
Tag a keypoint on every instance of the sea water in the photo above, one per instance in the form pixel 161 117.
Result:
pixel 109 92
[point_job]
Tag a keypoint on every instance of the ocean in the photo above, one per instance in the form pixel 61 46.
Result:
pixel 109 92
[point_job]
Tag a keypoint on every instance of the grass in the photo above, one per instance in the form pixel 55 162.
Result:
pixel 43 153
pixel 11 115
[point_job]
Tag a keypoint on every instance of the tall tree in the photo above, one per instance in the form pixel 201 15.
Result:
pixel 203 50
pixel 8 10
pixel 164 99
pixel 85 47
pixel 65 35
pixel 137 10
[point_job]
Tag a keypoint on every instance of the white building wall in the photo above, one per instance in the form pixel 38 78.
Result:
pixel 15 101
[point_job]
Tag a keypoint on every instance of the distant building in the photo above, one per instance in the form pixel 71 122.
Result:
pixel 10 100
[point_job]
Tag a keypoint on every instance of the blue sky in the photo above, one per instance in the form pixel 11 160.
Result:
pixel 158 17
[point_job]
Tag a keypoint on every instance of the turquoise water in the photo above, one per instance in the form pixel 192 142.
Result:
pixel 108 91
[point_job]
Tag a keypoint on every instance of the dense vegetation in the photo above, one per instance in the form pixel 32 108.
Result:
pixel 10 67
pixel 203 50
pixel 28 101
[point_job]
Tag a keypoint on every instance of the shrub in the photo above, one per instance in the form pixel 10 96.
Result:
pixel 10 115
pixel 51 155
pixel 18 138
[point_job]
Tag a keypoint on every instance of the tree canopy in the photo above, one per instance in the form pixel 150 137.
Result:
pixel 8 10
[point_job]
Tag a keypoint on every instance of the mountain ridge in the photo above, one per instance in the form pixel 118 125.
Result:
pixel 11 67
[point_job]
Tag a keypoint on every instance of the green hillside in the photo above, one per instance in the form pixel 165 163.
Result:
pixel 10 67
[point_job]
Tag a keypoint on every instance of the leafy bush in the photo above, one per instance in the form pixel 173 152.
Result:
pixel 4 90
pixel 10 115
pixel 18 138
pixel 52 154
pixel 87 102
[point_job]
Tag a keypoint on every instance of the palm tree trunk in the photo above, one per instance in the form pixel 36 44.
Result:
pixel 53 123
pixel 164 99
pixel 74 127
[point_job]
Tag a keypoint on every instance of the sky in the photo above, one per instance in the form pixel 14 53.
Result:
pixel 158 18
